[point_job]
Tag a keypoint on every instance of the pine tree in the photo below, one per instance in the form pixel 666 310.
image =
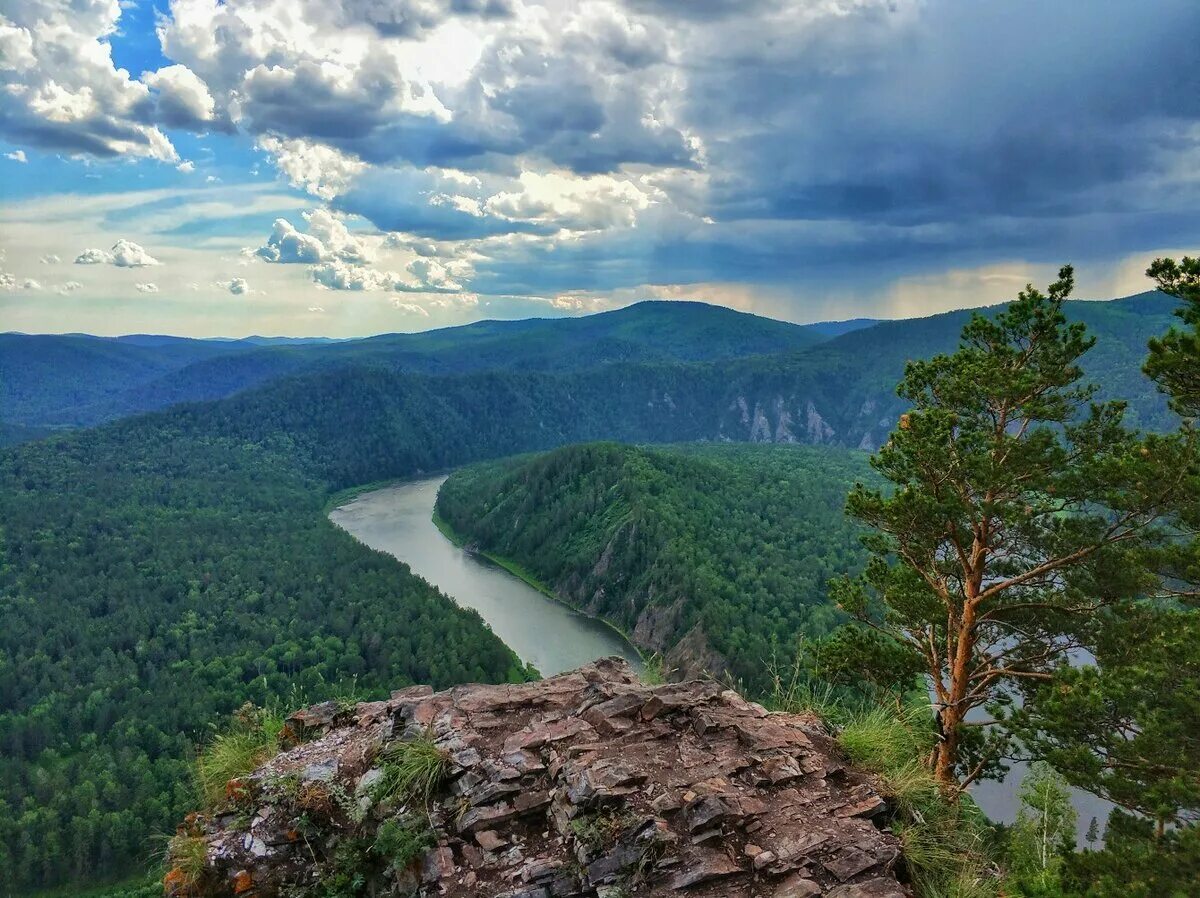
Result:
pixel 1128 726
pixel 1018 509
pixel 1174 360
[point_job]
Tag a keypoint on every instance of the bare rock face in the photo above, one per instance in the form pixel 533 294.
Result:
pixel 586 784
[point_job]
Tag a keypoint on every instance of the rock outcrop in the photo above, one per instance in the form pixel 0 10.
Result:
pixel 586 784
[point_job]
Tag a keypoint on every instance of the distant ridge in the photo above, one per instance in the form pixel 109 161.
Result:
pixel 77 380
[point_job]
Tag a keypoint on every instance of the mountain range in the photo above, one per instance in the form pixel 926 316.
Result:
pixel 822 383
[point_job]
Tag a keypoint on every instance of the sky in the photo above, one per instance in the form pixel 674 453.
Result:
pixel 349 167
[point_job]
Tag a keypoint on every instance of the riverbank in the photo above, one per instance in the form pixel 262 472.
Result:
pixel 543 630
pixel 529 579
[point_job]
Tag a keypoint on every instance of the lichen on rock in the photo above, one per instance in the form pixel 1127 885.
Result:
pixel 586 784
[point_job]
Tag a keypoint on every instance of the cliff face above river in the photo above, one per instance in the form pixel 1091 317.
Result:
pixel 586 784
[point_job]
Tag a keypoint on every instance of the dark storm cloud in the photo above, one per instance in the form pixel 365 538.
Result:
pixel 1023 108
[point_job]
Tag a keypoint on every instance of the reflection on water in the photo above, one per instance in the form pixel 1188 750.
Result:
pixel 398 520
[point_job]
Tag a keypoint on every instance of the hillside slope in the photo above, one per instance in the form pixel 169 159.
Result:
pixel 79 380
pixel 715 556
pixel 788 382
pixel 152 580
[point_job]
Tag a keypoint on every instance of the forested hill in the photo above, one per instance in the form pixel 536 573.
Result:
pixel 78 380
pixel 715 556
pixel 365 423
pixel 808 381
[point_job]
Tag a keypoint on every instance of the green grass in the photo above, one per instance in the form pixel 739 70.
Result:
pixel 187 856
pixel 944 842
pixel 412 770
pixel 251 740
pixel 403 841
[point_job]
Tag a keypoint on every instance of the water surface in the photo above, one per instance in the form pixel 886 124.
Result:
pixel 399 520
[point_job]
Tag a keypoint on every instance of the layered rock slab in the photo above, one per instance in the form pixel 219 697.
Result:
pixel 586 784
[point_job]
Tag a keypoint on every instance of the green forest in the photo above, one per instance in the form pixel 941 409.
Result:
pixel 151 583
pixel 733 544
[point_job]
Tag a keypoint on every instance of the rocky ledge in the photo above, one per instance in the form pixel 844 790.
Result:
pixel 586 784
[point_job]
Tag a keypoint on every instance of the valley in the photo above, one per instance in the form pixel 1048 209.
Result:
pixel 162 569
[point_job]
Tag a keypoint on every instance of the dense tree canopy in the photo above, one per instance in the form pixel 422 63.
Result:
pixel 150 582
pixel 721 547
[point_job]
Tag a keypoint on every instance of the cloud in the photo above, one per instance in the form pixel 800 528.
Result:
pixel 181 99
pixel 187 167
pixel 9 282
pixel 328 239
pixel 410 308
pixel 777 148
pixel 124 254
pixel 337 275
pixel 16 156
pixel 420 276
pixel 62 90
pixel 434 83
pixel 67 287
pixel 238 286
pixel 321 170
pixel 147 288
pixel 50 259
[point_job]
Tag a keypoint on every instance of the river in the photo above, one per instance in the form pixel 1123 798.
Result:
pixel 399 520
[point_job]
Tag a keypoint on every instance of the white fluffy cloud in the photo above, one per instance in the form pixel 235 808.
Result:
pixel 574 203
pixel 16 156
pixel 147 287
pixel 238 286
pixel 327 239
pixel 124 254
pixel 61 88
pixel 419 276
pixel 182 100
pixel 321 170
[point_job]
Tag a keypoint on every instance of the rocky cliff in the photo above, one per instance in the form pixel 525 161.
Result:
pixel 587 784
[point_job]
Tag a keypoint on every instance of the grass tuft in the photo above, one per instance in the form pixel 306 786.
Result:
pixel 251 740
pixel 412 770
pixel 186 856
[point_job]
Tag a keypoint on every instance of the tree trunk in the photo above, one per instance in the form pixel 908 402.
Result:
pixel 950 716
pixel 947 751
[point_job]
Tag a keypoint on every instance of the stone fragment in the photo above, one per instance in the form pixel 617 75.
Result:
pixel 490 840
pixel 796 887
pixel 872 888
pixel 708 870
